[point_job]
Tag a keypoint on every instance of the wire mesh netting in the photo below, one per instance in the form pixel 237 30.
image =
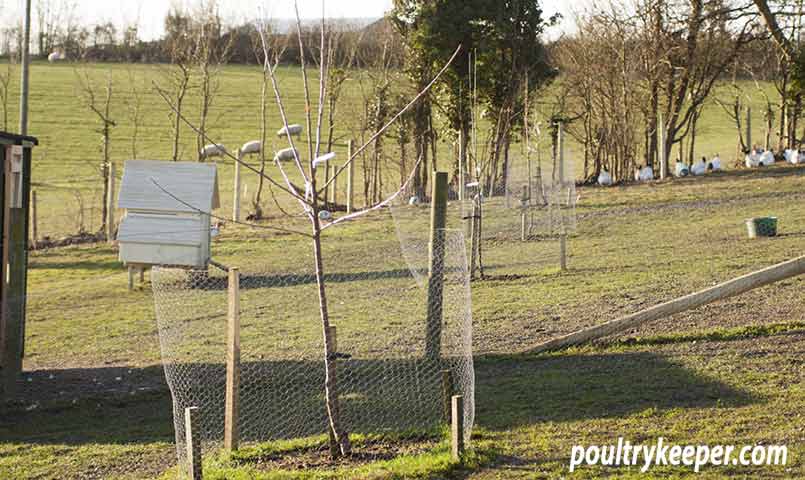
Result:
pixel 386 382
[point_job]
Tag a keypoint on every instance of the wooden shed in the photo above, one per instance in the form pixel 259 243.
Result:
pixel 167 213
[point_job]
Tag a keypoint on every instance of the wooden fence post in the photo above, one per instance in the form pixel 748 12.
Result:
pixel 447 392
pixel 237 190
pixel 474 237
pixel 334 191
pixel 350 178
pixel 110 209
pixel 438 222
pixel 34 229
pixel 327 182
pixel 560 138
pixel 231 409
pixel 457 428
pixel 462 165
pixel 193 444
pixel 749 128
pixel 661 146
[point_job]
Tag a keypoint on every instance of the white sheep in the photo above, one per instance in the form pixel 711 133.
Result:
pixel 286 155
pixel 605 179
pixel 213 150
pixel 699 168
pixel 295 130
pixel 251 147
pixel 681 170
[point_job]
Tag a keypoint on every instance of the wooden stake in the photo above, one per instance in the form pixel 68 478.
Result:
pixel 462 165
pixel 457 430
pixel 237 190
pixel 474 238
pixel 193 445
pixel 231 409
pixel 749 128
pixel 724 290
pixel 327 185
pixel 131 278
pixel 350 178
pixel 110 202
pixel 438 222
pixel 563 252
pixel 34 229
pixel 334 194
pixel 447 392
pixel 335 451
pixel 661 146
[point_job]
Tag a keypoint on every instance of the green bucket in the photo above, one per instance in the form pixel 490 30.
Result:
pixel 762 227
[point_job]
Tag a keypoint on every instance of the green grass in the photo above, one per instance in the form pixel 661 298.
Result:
pixel 727 373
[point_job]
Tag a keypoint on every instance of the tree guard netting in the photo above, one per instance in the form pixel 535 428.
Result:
pixel 385 382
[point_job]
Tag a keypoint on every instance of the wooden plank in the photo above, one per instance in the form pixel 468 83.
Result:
pixel 457 428
pixel 34 230
pixel 438 222
pixel 737 286
pixel 231 408
pixel 15 244
pixel 192 444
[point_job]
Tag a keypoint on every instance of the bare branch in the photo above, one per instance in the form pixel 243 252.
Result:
pixel 393 119
pixel 212 215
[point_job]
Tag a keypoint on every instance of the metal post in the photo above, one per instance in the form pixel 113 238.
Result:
pixel 661 146
pixel 462 165
pixel 26 65
pixel 232 400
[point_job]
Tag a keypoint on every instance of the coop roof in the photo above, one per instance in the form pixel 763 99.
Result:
pixel 191 186
pixel 160 230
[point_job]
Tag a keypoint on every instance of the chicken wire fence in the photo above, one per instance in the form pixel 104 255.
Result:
pixel 514 231
pixel 386 382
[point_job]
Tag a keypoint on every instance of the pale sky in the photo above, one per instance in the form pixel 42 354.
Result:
pixel 149 14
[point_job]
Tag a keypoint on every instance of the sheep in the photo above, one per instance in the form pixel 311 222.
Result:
pixel 699 168
pixel 286 155
pixel 295 130
pixel 213 150
pixel 251 147
pixel 766 159
pixel 605 179
pixel 681 170
pixel 715 164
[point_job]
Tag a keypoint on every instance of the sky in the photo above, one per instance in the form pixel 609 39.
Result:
pixel 149 14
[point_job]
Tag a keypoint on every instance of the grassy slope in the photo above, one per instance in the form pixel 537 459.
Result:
pixel 703 383
pixel 692 378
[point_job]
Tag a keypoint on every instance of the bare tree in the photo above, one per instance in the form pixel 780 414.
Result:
pixel 5 83
pixel 100 104
pixel 313 206
pixel 134 106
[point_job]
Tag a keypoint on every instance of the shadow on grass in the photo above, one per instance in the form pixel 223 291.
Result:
pixel 510 392
pixel 202 280
pixel 89 265
pixel 518 391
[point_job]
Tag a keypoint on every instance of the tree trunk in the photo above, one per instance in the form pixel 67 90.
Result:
pixel 330 382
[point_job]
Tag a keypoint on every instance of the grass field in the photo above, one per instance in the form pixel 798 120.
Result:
pixel 94 403
pixel 65 172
